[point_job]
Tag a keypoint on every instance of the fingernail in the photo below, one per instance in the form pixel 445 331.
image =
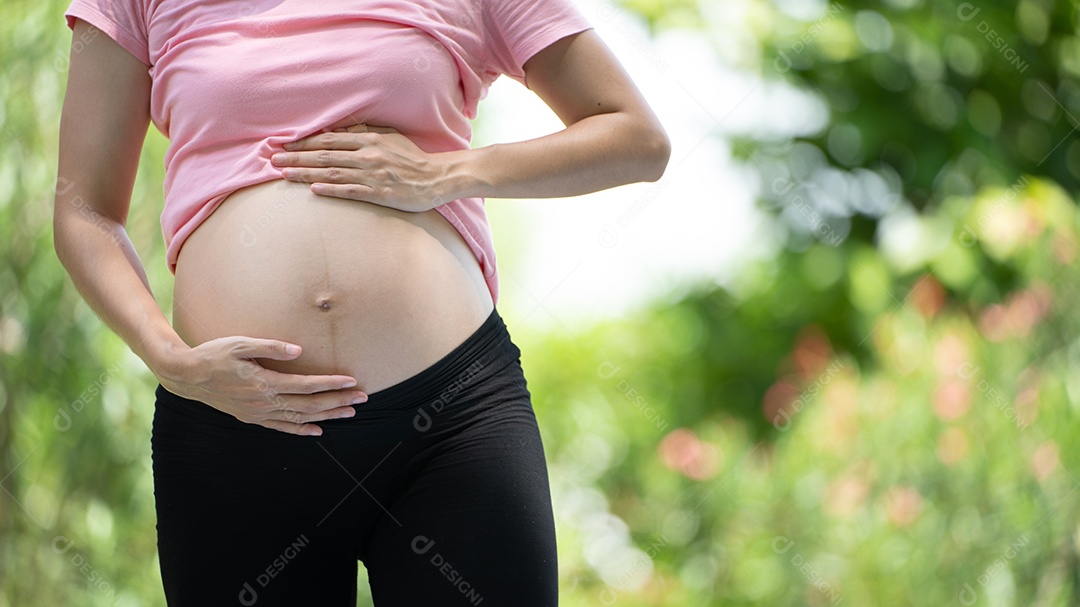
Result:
pixel 276 158
pixel 359 399
pixel 290 145
pixel 316 432
pixel 349 383
pixel 349 413
pixel 291 349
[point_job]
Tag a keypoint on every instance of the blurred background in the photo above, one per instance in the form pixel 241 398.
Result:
pixel 829 358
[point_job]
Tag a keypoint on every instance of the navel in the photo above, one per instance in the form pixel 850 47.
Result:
pixel 324 303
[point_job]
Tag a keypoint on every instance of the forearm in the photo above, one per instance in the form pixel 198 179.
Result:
pixel 595 153
pixel 107 272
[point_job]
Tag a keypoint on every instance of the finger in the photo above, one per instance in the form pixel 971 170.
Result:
pixel 335 175
pixel 291 428
pixel 291 383
pixel 316 403
pixel 330 140
pixel 303 417
pixel 317 158
pixel 255 347
pixel 349 191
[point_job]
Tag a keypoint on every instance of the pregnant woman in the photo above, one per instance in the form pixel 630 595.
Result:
pixel 336 384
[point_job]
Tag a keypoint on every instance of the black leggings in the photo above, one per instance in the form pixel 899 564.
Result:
pixel 438 484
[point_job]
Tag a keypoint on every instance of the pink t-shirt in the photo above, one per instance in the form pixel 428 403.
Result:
pixel 234 80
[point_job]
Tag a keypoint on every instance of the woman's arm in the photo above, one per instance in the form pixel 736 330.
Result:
pixel 102 128
pixel 611 138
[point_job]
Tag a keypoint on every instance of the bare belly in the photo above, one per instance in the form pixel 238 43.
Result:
pixel 368 291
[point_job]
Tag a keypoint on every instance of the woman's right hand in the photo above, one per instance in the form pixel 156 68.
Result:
pixel 222 374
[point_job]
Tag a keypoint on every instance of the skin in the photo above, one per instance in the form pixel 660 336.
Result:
pixel 369 291
pixel 612 138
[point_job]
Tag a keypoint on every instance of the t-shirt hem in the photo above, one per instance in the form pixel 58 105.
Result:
pixel 174 244
pixel 488 264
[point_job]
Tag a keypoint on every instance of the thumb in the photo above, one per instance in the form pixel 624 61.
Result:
pixel 252 347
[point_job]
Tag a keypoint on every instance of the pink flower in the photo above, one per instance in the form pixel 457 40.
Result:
pixel 952 398
pixel 845 496
pixel 1026 308
pixel 779 398
pixel 993 323
pixel 927 295
pixel 681 450
pixel 811 353
pixel 903 504
pixel 1045 460
pixel 1018 315
pixel 949 353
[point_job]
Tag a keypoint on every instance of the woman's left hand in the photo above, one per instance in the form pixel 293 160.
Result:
pixel 365 163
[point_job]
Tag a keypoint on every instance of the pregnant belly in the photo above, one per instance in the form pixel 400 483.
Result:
pixel 368 291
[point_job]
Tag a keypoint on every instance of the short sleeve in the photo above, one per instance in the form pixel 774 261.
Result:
pixel 122 20
pixel 515 30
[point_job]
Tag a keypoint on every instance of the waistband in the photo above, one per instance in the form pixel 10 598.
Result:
pixel 489 349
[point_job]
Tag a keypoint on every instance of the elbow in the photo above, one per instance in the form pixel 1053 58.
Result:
pixel 63 222
pixel 659 153
pixel 59 243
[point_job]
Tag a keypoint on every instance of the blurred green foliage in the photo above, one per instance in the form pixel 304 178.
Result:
pixel 925 464
pixel 929 105
pixel 881 415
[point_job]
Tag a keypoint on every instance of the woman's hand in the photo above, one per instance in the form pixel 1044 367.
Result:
pixel 366 163
pixel 222 374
